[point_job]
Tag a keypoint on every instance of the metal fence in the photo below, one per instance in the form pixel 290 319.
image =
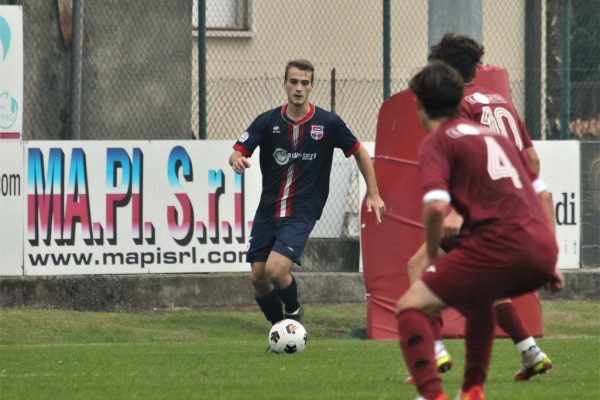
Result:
pixel 140 64
pixel 135 69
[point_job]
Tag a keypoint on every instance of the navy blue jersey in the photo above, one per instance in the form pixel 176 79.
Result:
pixel 295 158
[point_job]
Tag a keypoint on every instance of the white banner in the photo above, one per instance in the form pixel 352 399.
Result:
pixel 136 207
pixel 560 169
pixel 99 207
pixel 11 72
pixel 12 185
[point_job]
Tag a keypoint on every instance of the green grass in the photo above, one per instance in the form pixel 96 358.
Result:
pixel 220 354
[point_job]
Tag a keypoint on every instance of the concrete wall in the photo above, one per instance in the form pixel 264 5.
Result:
pixel 131 293
pixel 136 292
pixel 137 74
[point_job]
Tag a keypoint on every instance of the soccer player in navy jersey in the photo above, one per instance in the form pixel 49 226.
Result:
pixel 491 109
pixel 296 143
pixel 511 248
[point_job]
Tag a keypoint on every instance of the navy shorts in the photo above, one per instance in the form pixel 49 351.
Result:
pixel 286 236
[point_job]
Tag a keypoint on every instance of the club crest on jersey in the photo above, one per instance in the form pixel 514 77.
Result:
pixel 244 137
pixel 276 130
pixel 316 132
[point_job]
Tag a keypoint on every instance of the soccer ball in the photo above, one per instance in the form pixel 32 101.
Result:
pixel 287 336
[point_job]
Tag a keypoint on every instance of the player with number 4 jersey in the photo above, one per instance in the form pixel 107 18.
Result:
pixel 488 183
pixel 510 249
pixel 491 109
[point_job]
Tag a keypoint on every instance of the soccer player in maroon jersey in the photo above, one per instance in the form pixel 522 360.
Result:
pixel 493 110
pixel 296 143
pixel 510 249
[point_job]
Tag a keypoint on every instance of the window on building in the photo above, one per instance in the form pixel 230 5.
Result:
pixel 224 15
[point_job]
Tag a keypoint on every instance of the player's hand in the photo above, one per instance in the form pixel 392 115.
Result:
pixel 376 203
pixel 240 164
pixel 557 283
pixel 452 224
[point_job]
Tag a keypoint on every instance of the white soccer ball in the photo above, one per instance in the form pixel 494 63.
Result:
pixel 287 336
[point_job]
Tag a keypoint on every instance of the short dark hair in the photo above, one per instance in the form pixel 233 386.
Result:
pixel 461 52
pixel 302 65
pixel 439 88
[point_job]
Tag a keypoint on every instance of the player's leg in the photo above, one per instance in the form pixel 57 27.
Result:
pixel 533 360
pixel 292 235
pixel 265 296
pixel 415 267
pixel 261 241
pixel 416 337
pixel 417 264
pixel 278 269
pixel 459 281
pixel 479 336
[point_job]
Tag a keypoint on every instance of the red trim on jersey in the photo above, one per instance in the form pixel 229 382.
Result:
pixel 302 120
pixel 301 129
pixel 354 149
pixel 291 193
pixel 280 195
pixel 245 152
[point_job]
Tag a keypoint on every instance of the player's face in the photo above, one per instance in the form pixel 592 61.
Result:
pixel 298 86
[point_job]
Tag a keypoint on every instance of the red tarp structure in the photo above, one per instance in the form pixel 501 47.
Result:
pixel 387 247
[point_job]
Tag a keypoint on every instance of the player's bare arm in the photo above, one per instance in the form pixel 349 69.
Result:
pixel 374 201
pixel 238 162
pixel 533 160
pixel 452 223
pixel 557 283
pixel 434 213
pixel 545 199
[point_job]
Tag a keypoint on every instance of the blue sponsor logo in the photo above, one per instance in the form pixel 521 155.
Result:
pixel 4 38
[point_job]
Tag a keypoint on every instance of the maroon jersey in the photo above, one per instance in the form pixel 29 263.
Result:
pixel 482 175
pixel 493 110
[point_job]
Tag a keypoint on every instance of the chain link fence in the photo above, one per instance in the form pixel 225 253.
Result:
pixel 579 69
pixel 136 70
pixel 140 61
pixel 140 67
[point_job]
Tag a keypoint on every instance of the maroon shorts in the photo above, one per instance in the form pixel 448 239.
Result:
pixel 469 276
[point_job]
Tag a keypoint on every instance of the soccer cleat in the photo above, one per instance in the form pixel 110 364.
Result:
pixel 474 393
pixel 297 315
pixel 443 362
pixel 542 366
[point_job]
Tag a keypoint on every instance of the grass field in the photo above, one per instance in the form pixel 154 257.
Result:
pixel 220 354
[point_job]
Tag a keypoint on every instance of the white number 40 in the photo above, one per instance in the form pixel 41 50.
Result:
pixel 499 165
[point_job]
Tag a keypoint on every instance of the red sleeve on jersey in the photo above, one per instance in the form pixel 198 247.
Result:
pixel 245 152
pixel 434 163
pixel 354 149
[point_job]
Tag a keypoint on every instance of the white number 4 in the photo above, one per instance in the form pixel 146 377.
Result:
pixel 499 165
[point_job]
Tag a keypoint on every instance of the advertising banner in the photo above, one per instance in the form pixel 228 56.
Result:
pixel 11 207
pixel 100 207
pixel 11 72
pixel 560 170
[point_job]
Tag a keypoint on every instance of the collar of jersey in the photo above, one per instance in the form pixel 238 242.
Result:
pixel 302 120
